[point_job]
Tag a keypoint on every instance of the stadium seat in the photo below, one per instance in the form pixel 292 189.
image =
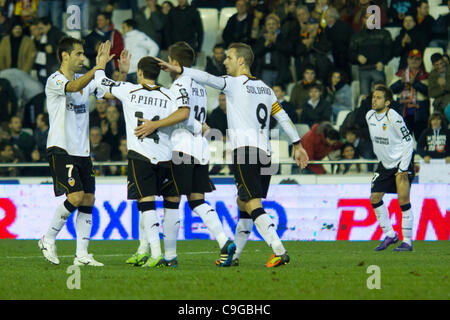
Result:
pixel 280 151
pixel 427 57
pixel 225 14
pixel 391 68
pixel 210 21
pixel 74 34
pixel 434 3
pixel 119 16
pixel 394 31
pixel 436 11
pixel 341 117
pixel 302 128
pixel 212 96
pixel 355 93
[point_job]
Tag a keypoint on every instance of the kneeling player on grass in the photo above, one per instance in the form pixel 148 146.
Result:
pixel 190 156
pixel 393 146
pixel 149 166
pixel 250 103
pixel 67 94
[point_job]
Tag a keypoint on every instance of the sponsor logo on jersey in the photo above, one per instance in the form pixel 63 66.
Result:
pixel 59 83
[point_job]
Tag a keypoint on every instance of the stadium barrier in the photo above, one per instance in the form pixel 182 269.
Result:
pixel 302 212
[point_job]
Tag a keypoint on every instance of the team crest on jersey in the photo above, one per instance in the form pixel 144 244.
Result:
pixel 384 126
pixel 59 83
pixel 71 182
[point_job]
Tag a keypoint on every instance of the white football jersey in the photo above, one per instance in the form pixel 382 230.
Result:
pixel 187 136
pixel 69 115
pixel 392 142
pixel 143 101
pixel 250 103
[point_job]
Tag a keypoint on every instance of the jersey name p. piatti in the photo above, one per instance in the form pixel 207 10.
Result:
pixel 69 115
pixel 187 135
pixel 250 103
pixel 147 102
pixel 392 142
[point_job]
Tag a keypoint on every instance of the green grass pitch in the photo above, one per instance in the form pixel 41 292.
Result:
pixel 318 270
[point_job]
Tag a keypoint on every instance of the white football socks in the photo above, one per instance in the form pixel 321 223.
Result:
pixel 267 229
pixel 171 226
pixel 83 228
pixel 212 222
pixel 407 225
pixel 59 219
pixel 382 214
pixel 143 243
pixel 151 227
pixel 243 230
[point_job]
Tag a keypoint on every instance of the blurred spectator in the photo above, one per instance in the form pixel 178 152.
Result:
pixel 363 147
pixel 166 6
pixel 286 12
pixel 8 105
pixel 348 152
pixel 299 94
pixel 218 117
pixel 98 115
pixel 272 53
pixel 434 142
pixel 439 83
pixel 399 8
pixel 17 50
pixel 339 93
pixel 425 21
pixel 152 22
pixel 313 48
pixel 7 7
pixel 21 139
pixel 104 31
pixel 358 16
pixel 53 9
pixel 113 128
pixel 280 93
pixel 319 12
pixel 239 25
pixel 50 37
pixel 29 91
pixel 344 7
pixel 371 50
pixel 339 34
pixel 122 156
pixel 440 30
pixel 127 4
pixel 316 109
pixel 185 24
pixel 26 10
pixel 100 151
pixel 39 63
pixel 5 24
pixel 214 64
pixel 318 143
pixel 138 45
pixel 218 4
pixel 410 37
pixel 7 156
pixel 411 87
pixel 40 135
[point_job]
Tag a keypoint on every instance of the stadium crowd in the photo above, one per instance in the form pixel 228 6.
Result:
pixel 321 58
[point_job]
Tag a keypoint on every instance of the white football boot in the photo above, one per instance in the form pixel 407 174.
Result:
pixel 87 260
pixel 48 250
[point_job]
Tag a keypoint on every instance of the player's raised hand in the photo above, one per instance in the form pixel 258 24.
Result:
pixel 124 61
pixel 146 128
pixel 103 55
pixel 300 156
pixel 167 67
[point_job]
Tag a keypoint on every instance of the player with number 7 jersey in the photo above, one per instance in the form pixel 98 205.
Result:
pixel 250 103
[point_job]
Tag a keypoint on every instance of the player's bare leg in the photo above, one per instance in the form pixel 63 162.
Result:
pixel 382 214
pixel 267 229
pixel 243 230
pixel 47 242
pixel 403 191
pixel 171 226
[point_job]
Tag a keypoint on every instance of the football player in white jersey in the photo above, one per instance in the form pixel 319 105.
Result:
pixel 250 103
pixel 150 171
pixel 190 157
pixel 68 150
pixel 393 145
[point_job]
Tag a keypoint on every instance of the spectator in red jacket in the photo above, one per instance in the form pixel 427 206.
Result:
pixel 318 143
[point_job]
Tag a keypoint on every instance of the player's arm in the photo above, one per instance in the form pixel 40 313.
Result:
pixel 109 86
pixel 406 141
pixel 148 127
pixel 103 57
pixel 199 76
pixel 299 153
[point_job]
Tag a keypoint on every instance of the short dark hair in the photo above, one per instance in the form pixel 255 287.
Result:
pixel 45 20
pixel 388 96
pixel 67 44
pixel 315 85
pixel 435 57
pixel 45 118
pixel 353 128
pixel 131 23
pixel 308 66
pixel 182 52
pixel 243 50
pixel 107 15
pixel 281 85
pixel 150 67
pixel 331 133
pixel 437 115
